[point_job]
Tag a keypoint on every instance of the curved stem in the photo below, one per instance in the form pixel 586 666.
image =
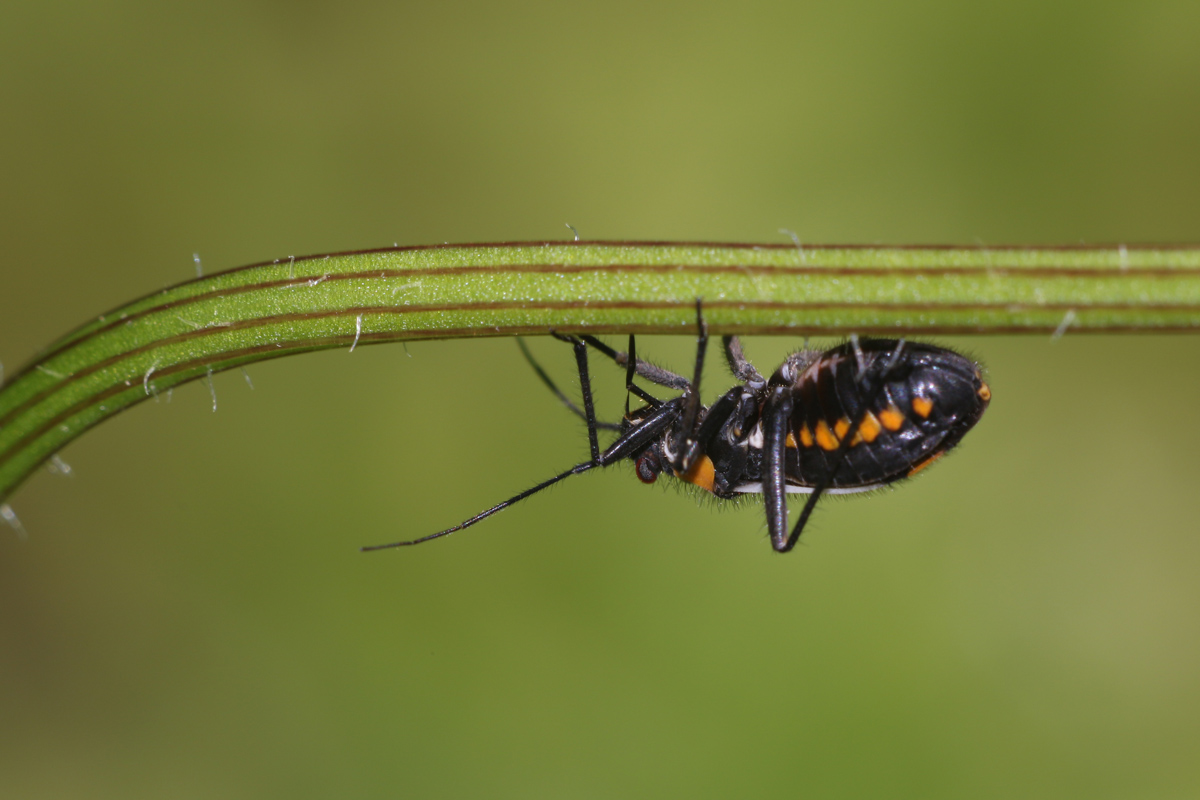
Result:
pixel 351 299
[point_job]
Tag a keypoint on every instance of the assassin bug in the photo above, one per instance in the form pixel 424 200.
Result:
pixel 862 415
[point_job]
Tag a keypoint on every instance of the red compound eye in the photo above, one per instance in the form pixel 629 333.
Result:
pixel 647 467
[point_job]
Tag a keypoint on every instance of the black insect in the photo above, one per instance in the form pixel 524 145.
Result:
pixel 860 416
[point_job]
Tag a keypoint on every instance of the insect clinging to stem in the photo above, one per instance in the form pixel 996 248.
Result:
pixel 854 418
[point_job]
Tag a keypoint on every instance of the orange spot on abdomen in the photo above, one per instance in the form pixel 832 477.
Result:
pixel 923 406
pixel 825 437
pixel 891 418
pixel 701 473
pixel 869 427
pixel 806 437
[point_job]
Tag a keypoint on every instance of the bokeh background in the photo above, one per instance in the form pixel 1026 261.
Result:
pixel 190 617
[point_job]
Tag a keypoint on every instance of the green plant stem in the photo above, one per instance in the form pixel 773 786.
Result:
pixel 349 300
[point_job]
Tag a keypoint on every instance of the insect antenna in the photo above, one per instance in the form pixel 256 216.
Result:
pixel 575 470
pixel 629 443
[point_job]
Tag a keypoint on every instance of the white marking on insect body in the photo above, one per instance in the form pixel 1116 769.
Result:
pixel 357 332
pixel 859 355
pixel 10 516
pixel 789 488
pixel 755 439
pixel 1067 319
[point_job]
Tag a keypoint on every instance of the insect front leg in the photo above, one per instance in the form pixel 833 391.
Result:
pixel 701 449
pixel 652 373
pixel 585 385
pixel 739 365
pixel 589 410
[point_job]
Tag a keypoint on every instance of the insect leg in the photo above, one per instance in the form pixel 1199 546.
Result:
pixel 566 401
pixel 859 356
pixel 645 370
pixel 776 414
pixel 640 437
pixel 585 383
pixel 630 371
pixel 714 421
pixel 652 373
pixel 692 397
pixel 739 365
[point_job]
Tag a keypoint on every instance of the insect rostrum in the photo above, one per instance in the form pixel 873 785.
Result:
pixel 850 419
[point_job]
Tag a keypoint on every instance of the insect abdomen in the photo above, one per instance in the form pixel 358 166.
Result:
pixel 930 398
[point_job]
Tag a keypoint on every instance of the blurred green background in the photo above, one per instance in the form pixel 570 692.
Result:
pixel 190 616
